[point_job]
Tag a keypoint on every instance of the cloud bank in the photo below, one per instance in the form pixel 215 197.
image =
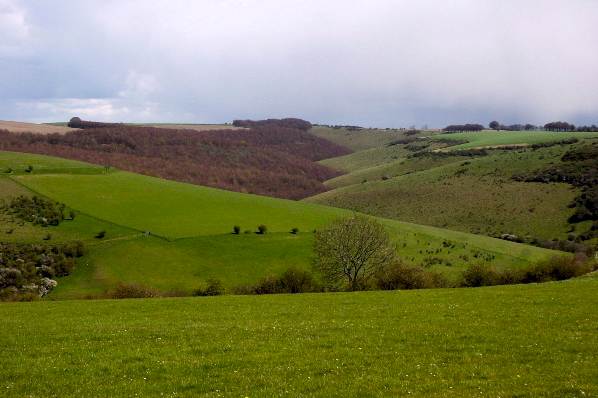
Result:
pixel 372 63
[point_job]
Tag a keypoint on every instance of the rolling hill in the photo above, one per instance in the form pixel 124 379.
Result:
pixel 459 188
pixel 189 238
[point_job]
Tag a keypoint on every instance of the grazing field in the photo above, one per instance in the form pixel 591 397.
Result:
pixel 491 138
pixel 21 127
pixel 175 210
pixel 184 265
pixel 525 340
pixel 18 162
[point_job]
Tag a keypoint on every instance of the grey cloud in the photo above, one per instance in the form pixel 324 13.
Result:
pixel 377 62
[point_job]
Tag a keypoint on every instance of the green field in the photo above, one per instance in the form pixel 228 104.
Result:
pixel 491 138
pixel 18 162
pixel 527 341
pixel 175 210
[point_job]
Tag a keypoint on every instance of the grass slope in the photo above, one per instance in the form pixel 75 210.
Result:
pixel 175 210
pixel 83 227
pixel 357 140
pixel 467 194
pixel 528 340
pixel 18 162
pixel 491 138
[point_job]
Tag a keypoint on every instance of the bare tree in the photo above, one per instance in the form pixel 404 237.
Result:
pixel 352 250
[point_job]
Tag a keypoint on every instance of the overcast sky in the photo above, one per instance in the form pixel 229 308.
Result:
pixel 368 62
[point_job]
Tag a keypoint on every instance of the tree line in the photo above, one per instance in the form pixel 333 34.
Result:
pixel 495 125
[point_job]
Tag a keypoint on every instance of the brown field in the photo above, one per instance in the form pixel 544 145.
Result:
pixel 21 127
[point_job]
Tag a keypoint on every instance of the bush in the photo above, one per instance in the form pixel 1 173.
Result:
pixel 556 269
pixel 236 230
pixel 293 280
pixel 124 290
pixel 295 231
pixel 29 268
pixel 213 288
pixel 101 234
pixel 72 214
pixel 262 229
pixel 36 210
pixel 401 276
pixel 480 275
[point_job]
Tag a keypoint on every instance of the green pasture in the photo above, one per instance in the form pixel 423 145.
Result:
pixel 19 162
pixel 491 138
pixel 523 340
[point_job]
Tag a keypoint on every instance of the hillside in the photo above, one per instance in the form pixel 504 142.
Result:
pixel 190 232
pixel 270 160
pixel 535 340
pixel 471 190
pixel 358 139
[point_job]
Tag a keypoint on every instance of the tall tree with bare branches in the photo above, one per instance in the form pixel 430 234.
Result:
pixel 351 250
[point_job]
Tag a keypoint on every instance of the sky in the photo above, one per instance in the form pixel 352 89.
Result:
pixel 379 63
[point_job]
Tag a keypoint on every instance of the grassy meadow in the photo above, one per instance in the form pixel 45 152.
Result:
pixel 526 341
pixel 491 138
pixel 18 162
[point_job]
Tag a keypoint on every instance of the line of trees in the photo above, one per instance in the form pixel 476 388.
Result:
pixel 292 123
pixel 495 125
pixel 461 128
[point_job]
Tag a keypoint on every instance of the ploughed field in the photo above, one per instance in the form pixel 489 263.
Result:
pixel 525 340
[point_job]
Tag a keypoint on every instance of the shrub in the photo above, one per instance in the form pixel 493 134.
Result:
pixel 28 169
pixel 293 280
pixel 72 214
pixel 236 230
pixel 400 276
pixel 556 269
pixel 480 275
pixel 262 229
pixel 213 288
pixel 36 210
pixel 101 234
pixel 132 290
pixel 295 231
